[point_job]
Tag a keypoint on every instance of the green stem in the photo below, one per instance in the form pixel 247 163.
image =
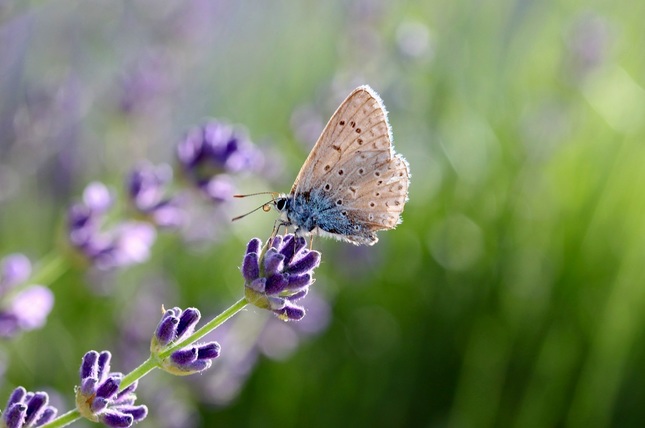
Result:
pixel 207 328
pixel 150 364
pixel 63 420
pixel 47 271
pixel 146 367
pixel 50 268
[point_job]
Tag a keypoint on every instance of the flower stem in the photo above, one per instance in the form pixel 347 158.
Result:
pixel 50 268
pixel 151 363
pixel 136 374
pixel 63 420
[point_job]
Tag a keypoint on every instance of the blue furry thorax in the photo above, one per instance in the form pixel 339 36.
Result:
pixel 308 210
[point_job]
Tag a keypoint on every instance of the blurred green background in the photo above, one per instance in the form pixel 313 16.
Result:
pixel 513 294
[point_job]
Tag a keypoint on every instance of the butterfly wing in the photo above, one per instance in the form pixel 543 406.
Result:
pixel 353 163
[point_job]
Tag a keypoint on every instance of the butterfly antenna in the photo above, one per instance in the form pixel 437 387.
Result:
pixel 273 194
pixel 264 207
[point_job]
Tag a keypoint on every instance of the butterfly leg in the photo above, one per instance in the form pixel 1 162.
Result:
pixel 311 239
pixel 276 228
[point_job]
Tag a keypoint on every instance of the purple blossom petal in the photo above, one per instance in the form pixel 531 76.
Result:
pixel 116 419
pixel 88 385
pixel 187 322
pixel 307 263
pixel 258 285
pixel 276 283
pixel 99 404
pixel 17 395
pixel 184 356
pixel 97 197
pixel 250 267
pixel 32 306
pixel 253 246
pixel 108 388
pixel 36 406
pixel 298 281
pixel 103 365
pixel 124 396
pixel 47 416
pixel 138 413
pixel 209 351
pixel 14 416
pixel 14 269
pixel 167 330
pixel 273 262
pixel 298 295
pixel 89 365
pixel 293 312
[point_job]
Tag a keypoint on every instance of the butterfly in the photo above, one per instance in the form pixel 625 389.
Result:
pixel 353 184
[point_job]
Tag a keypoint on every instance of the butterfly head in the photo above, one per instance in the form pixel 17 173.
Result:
pixel 281 203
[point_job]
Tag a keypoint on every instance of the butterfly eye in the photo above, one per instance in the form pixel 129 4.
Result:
pixel 280 204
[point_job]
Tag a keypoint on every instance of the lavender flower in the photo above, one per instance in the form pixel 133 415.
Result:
pixel 147 188
pixel 278 276
pixel 27 308
pixel 212 150
pixel 98 398
pixel 14 269
pixel 125 244
pixel 174 326
pixel 27 409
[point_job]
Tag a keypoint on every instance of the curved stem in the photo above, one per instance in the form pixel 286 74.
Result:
pixel 146 367
pixel 63 420
pixel 50 268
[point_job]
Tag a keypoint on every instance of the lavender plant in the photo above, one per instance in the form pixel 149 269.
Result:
pixel 276 274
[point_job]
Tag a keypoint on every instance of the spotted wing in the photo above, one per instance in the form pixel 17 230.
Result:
pixel 354 164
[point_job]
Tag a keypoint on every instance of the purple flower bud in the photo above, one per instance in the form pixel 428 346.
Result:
pixel 98 399
pixel 174 326
pixel 287 274
pixel 124 244
pixel 308 262
pixel 108 388
pixel 219 188
pixel 29 307
pixel 212 150
pixel 26 409
pixel 187 322
pixel 147 187
pixel 32 306
pixel 14 269
pixel 250 266
pixel 116 419
pixel 273 262
pixel 167 329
